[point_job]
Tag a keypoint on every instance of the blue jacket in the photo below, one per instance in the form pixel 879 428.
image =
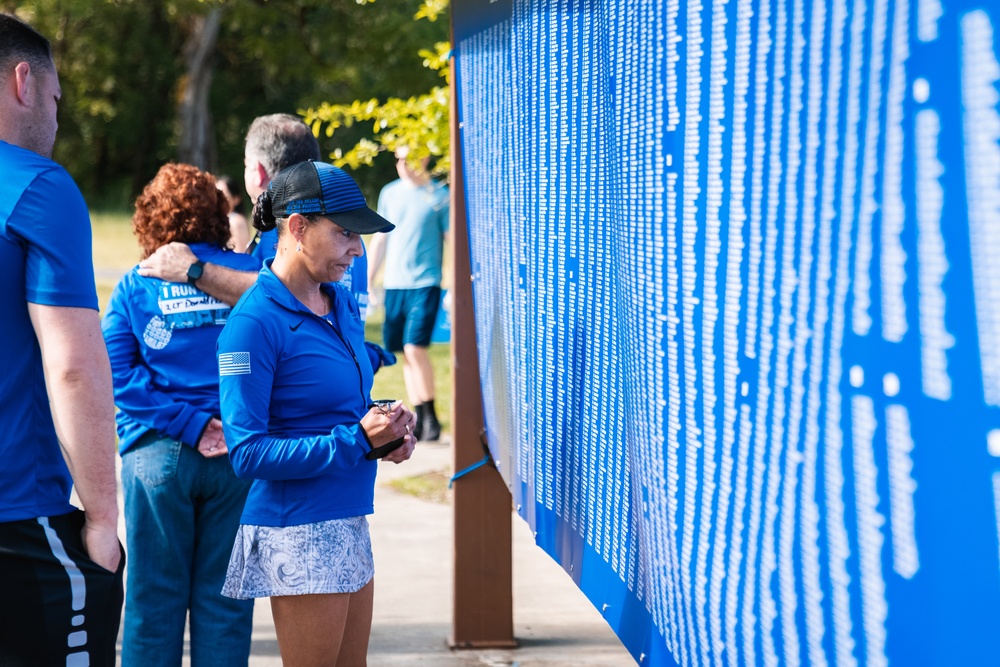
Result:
pixel 161 340
pixel 294 387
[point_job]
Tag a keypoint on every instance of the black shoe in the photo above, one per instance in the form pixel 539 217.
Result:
pixel 430 428
pixel 418 428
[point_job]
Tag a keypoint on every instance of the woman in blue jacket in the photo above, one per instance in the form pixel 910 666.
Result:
pixel 182 500
pixel 295 383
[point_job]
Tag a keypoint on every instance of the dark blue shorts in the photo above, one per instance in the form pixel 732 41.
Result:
pixel 410 316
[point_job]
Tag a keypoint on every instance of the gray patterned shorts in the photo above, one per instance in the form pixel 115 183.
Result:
pixel 325 557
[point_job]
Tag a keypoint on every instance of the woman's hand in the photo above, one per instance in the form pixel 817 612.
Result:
pixel 383 426
pixel 213 441
pixel 404 452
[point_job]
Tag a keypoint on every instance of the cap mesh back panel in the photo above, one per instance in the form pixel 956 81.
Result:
pixel 339 189
pixel 298 190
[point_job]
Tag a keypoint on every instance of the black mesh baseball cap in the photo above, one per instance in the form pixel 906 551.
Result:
pixel 312 188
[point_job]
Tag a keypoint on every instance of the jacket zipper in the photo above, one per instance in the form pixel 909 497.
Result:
pixel 361 385
pixel 361 380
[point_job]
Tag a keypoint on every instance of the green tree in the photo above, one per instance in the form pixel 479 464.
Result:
pixel 295 54
pixel 124 75
pixel 115 118
pixel 420 122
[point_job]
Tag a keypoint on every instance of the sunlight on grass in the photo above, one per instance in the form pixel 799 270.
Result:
pixel 115 251
pixel 432 486
pixel 114 245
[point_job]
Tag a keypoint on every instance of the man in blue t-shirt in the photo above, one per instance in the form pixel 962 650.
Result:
pixel 60 568
pixel 418 206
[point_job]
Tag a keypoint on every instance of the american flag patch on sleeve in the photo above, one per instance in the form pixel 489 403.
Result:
pixel 234 363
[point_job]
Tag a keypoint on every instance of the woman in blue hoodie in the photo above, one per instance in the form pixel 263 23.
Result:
pixel 295 381
pixel 182 499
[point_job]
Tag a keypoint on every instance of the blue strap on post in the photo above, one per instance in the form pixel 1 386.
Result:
pixel 465 471
pixel 486 460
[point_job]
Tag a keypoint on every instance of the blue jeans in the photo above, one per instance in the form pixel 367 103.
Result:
pixel 182 511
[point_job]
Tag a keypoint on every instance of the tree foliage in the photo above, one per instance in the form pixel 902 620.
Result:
pixel 419 122
pixel 124 75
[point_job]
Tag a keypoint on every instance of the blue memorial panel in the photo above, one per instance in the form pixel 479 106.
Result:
pixel 736 272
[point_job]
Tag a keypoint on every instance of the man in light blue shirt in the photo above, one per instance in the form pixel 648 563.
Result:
pixel 418 206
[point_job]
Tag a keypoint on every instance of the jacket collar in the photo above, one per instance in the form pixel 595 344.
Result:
pixel 275 290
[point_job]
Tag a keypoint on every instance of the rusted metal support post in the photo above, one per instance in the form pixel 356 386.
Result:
pixel 483 612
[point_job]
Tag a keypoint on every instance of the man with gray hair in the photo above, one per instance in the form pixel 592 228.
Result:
pixel 60 568
pixel 273 142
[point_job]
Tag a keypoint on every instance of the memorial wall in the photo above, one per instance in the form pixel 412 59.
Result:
pixel 736 273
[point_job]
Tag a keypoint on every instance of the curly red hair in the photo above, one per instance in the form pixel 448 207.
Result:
pixel 181 203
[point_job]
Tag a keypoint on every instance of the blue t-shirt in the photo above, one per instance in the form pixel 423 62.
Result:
pixel 413 251
pixel 45 258
pixel 355 279
pixel 294 388
pixel 161 338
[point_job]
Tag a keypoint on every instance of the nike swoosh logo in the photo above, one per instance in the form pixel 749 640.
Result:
pixel 296 327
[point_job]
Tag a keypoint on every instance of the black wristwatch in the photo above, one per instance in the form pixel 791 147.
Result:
pixel 194 272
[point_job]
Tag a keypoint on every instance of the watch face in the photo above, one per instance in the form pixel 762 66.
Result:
pixel 195 270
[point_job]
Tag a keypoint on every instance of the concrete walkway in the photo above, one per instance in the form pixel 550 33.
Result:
pixel 412 540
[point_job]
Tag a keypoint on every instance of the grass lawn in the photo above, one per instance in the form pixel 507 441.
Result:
pixel 116 251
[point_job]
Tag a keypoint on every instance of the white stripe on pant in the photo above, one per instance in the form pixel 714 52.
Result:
pixel 78 587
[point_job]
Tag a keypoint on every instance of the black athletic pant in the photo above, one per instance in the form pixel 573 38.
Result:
pixel 57 607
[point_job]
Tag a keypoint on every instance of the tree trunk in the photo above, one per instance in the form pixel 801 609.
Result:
pixel 196 140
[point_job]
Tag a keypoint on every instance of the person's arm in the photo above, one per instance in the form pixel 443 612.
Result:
pixel 239 236
pixel 171 262
pixel 445 219
pixel 376 254
pixel 246 400
pixel 78 381
pixel 379 356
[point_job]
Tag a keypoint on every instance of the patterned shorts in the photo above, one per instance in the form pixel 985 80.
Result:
pixel 325 557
